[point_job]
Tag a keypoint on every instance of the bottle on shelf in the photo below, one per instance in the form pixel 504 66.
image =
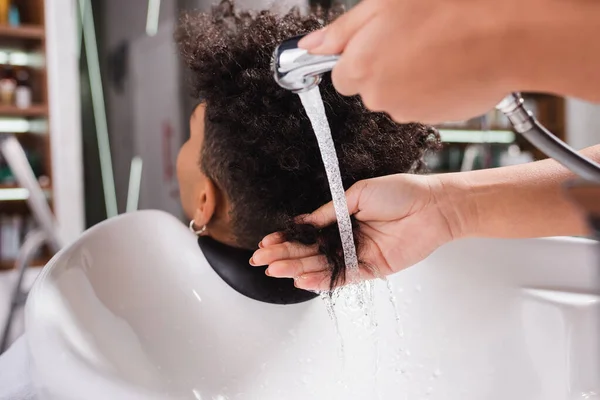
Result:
pixel 6 175
pixel 14 15
pixel 35 161
pixel 4 10
pixel 8 85
pixel 44 181
pixel 23 94
pixel 11 227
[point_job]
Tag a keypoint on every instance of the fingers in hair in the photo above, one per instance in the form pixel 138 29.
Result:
pixel 314 281
pixel 320 281
pixel 271 240
pixel 325 215
pixel 283 251
pixel 297 267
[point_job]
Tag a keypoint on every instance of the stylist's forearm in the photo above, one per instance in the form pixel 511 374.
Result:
pixel 514 202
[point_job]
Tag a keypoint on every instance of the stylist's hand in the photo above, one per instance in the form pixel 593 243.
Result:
pixel 439 60
pixel 401 220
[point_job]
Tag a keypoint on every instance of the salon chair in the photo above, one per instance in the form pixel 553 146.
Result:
pixel 133 310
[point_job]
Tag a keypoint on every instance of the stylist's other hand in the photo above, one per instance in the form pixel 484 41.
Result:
pixel 438 60
pixel 402 219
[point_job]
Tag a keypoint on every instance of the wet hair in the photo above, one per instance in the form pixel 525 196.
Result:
pixel 259 146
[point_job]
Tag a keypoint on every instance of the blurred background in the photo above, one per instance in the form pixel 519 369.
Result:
pixel 94 92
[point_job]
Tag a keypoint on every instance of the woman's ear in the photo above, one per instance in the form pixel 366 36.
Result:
pixel 206 203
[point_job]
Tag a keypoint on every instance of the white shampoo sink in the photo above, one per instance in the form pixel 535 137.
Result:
pixel 133 311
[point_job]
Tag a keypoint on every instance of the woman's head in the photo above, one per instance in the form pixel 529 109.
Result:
pixel 252 162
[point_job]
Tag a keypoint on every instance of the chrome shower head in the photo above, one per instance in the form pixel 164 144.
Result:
pixel 297 70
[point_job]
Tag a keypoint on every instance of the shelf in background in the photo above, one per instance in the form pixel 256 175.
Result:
pixel 16 193
pixel 470 127
pixel 19 125
pixel 17 207
pixel 477 136
pixel 33 111
pixel 22 32
pixel 14 186
pixel 10 264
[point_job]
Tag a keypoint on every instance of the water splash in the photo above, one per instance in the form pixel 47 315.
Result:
pixel 394 303
pixel 329 302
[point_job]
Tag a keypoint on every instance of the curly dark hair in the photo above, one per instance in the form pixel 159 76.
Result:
pixel 259 146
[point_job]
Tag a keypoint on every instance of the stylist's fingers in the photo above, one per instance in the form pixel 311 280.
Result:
pixel 316 281
pixel 271 240
pixel 297 267
pixel 325 215
pixel 333 38
pixel 321 280
pixel 283 251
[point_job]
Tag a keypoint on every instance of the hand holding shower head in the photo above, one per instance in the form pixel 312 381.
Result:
pixel 295 69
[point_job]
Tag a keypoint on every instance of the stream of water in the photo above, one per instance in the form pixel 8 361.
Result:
pixel 357 297
pixel 315 109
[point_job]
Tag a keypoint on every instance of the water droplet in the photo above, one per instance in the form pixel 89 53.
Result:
pixel 437 373
pixel 418 288
pixel 429 391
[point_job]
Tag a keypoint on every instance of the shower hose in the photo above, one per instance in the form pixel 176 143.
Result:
pixel 525 124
